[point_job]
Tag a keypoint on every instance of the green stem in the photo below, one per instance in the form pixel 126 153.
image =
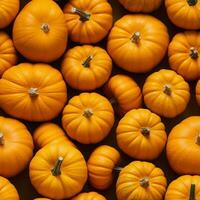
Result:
pixel 84 16
pixel 192 2
pixel 192 192
pixel 86 63
pixel 56 169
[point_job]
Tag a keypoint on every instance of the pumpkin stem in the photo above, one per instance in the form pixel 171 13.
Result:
pixel 145 131
pixel 84 16
pixel 136 37
pixel 167 90
pixel 56 170
pixel 33 92
pixel 88 112
pixel 144 182
pixel 45 27
pixel 1 139
pixel 86 63
pixel 194 53
pixel 118 169
pixel 198 139
pixel 192 2
pixel 192 192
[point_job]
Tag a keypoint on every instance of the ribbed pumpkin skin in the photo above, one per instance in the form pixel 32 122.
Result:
pixel 8 10
pixel 145 6
pixel 101 164
pixel 17 148
pixel 198 92
pixel 182 14
pixel 124 92
pixel 92 30
pixel 135 141
pixel 182 147
pixel 141 53
pixel 7 190
pixel 73 171
pixel 82 76
pixel 37 43
pixel 128 184
pixel 41 105
pixel 166 93
pixel 179 189
pixel 88 118
pixel 180 58
pixel 89 196
pixel 8 57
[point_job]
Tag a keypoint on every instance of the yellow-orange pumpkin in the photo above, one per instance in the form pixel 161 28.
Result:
pixel 89 196
pixel 42 199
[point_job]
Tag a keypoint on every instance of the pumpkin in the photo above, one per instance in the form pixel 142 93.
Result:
pixel 141 181
pixel 184 187
pixel 33 92
pixel 141 134
pixel 166 93
pixel 101 164
pixel 16 147
pixel 124 93
pixel 145 6
pixel 8 10
pixel 58 171
pixel 88 21
pixel 86 67
pixel 8 56
pixel 40 32
pixel 88 118
pixel 184 54
pixel 49 133
pixel 184 13
pixel 89 196
pixel 42 199
pixel 183 146
pixel 198 92
pixel 7 190
pixel 137 43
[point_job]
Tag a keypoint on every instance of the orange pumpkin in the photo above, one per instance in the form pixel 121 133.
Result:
pixel 89 196
pixel 101 164
pixel 49 133
pixel 184 13
pixel 183 146
pixel 16 147
pixel 88 21
pixel 198 92
pixel 8 56
pixel 184 54
pixel 8 10
pixel 86 67
pixel 166 93
pixel 141 134
pixel 124 93
pixel 58 171
pixel 88 118
pixel 7 190
pixel 145 6
pixel 42 199
pixel 141 181
pixel 34 92
pixel 137 43
pixel 40 32
pixel 184 187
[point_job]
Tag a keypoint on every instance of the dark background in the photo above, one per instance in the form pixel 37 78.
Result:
pixel 22 181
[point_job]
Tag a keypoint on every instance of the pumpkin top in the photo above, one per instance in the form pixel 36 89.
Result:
pixel 89 196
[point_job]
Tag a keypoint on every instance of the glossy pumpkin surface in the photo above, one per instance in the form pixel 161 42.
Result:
pixel 89 196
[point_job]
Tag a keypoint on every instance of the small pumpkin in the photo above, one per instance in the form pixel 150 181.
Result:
pixel 58 171
pixel 124 93
pixel 184 54
pixel 88 118
pixel 101 164
pixel 42 199
pixel 145 6
pixel 89 196
pixel 184 187
pixel 49 133
pixel 198 92
pixel 88 22
pixel 166 93
pixel 137 43
pixel 7 190
pixel 183 146
pixel 8 57
pixel 86 67
pixel 8 10
pixel 39 32
pixel 16 147
pixel 141 181
pixel 36 89
pixel 141 134
pixel 184 13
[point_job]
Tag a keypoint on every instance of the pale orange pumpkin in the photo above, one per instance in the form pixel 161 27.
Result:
pixel 89 196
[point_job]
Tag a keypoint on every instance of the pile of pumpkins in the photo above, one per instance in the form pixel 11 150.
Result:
pixel 37 92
